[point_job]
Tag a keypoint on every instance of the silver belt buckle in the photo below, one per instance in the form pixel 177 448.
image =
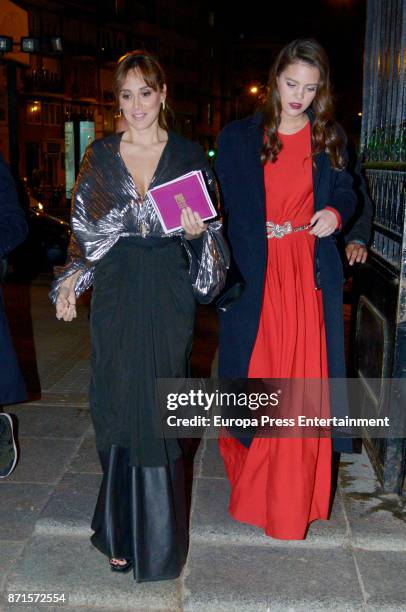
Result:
pixel 278 231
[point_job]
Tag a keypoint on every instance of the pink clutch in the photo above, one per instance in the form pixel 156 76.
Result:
pixel 169 198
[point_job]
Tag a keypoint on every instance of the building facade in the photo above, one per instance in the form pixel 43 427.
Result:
pixel 77 81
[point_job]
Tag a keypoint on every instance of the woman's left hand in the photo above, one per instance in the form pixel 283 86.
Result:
pixel 324 223
pixel 192 224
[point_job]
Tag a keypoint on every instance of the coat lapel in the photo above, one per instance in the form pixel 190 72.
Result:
pixel 317 169
pixel 254 145
pixel 317 166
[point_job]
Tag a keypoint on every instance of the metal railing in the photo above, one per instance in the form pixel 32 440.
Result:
pixel 383 138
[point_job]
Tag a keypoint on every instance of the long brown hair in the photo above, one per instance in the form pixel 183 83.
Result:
pixel 325 135
pixel 151 71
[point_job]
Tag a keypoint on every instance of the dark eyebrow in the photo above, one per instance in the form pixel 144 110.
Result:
pixel 129 90
pixel 307 84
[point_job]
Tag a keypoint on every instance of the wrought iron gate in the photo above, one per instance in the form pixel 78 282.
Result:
pixel 379 315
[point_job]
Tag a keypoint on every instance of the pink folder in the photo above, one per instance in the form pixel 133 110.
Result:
pixel 169 198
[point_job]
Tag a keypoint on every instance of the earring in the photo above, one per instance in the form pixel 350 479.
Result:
pixel 119 114
pixel 163 104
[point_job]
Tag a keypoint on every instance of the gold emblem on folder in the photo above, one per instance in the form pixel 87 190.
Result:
pixel 180 200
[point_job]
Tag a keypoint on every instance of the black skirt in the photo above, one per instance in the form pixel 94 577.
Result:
pixel 142 320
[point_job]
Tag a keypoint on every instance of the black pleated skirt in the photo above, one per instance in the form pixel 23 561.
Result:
pixel 142 319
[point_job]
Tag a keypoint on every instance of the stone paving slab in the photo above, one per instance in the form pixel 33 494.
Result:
pixel 384 608
pixel 4 607
pixel 256 578
pixel 68 367
pixel 73 379
pixel 212 522
pixel 50 421
pixel 212 464
pixel 70 508
pixel 356 474
pixel 377 521
pixel 7 561
pixel 198 459
pixel 42 460
pixel 86 459
pixel 20 506
pixel 73 566
pixel 375 524
pixel 384 578
pixel 61 607
pixel 64 364
pixel 78 400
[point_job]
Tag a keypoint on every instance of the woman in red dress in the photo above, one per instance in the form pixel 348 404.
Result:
pixel 279 328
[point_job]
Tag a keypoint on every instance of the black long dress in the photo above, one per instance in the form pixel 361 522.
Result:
pixel 142 317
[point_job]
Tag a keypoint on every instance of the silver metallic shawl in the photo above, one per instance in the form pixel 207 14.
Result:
pixel 107 206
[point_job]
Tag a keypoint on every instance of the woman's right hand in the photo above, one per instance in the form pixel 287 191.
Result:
pixel 356 253
pixel 66 301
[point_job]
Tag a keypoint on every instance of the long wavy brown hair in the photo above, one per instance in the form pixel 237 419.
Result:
pixel 151 71
pixel 325 133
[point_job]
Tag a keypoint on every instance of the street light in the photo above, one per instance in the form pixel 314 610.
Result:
pixel 243 96
pixel 56 44
pixel 6 44
pixel 30 45
pixel 36 106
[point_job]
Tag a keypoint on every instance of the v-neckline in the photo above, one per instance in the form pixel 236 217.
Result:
pixel 157 167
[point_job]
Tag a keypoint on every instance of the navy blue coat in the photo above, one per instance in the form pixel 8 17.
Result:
pixel 241 177
pixel 13 230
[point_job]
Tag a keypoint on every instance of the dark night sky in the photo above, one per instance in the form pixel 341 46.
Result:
pixel 339 25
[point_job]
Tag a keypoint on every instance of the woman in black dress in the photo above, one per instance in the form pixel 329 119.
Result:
pixel 145 285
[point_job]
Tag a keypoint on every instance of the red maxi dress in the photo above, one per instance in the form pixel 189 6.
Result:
pixel 283 484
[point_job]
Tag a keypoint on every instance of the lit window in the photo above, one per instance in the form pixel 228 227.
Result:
pixel 34 112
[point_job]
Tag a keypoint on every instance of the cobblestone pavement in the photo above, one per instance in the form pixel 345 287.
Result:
pixel 355 561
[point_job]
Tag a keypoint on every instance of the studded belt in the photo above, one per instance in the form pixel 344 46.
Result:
pixel 274 230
